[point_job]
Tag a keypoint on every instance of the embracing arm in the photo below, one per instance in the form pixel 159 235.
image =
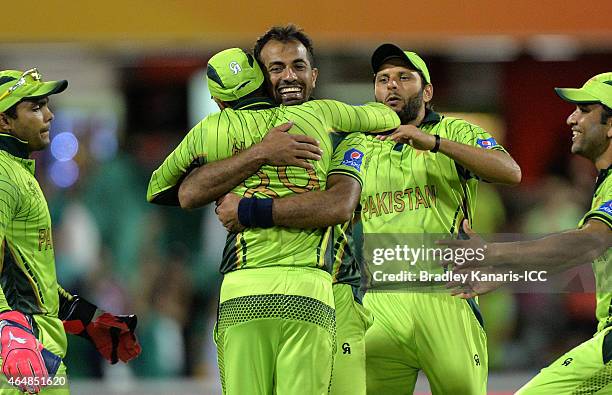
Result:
pixel 315 209
pixel 487 164
pixel 279 148
pixel 319 209
pixel 207 183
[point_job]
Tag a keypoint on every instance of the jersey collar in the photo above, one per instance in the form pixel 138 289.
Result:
pixel 431 117
pixel 254 103
pixel 603 174
pixel 14 146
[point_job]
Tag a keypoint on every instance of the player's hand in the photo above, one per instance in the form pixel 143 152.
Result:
pixel 410 134
pixel 227 212
pixel 280 148
pixel 25 362
pixel 469 251
pixel 113 335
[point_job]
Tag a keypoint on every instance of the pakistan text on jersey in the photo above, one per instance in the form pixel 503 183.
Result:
pixel 397 201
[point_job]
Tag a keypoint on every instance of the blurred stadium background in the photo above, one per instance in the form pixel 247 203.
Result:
pixel 135 74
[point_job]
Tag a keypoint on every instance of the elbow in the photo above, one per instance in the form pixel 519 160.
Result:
pixel 512 176
pixel 344 216
pixel 515 176
pixel 186 198
pixel 344 212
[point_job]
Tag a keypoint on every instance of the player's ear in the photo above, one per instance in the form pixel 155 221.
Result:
pixel 315 74
pixel 5 123
pixel 428 93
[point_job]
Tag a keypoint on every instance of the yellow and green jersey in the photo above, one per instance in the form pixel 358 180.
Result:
pixel 345 267
pixel 230 131
pixel 27 278
pixel 601 209
pixel 409 193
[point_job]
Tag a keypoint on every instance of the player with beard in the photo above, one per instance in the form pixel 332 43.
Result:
pixel 422 179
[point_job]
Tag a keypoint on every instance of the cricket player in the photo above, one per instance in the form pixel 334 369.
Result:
pixel 587 368
pixel 287 56
pixel 35 311
pixel 276 312
pixel 422 179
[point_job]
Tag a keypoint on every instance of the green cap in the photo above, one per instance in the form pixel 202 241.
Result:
pixel 233 74
pixel 17 85
pixel 596 90
pixel 387 51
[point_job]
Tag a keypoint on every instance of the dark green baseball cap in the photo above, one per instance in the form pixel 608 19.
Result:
pixel 598 89
pixel 388 51
pixel 233 74
pixel 17 85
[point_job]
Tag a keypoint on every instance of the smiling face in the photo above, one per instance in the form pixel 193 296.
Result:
pixel 290 73
pixel 31 124
pixel 590 136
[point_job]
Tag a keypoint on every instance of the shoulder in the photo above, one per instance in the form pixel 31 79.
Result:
pixel 9 166
pixel 605 189
pixel 458 124
pixel 10 181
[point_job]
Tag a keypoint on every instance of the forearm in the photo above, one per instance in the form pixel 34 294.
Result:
pixel 213 180
pixel 490 165
pixel 309 210
pixel 319 209
pixel 553 253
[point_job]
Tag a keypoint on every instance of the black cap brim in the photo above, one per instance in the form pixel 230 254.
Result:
pixel 384 52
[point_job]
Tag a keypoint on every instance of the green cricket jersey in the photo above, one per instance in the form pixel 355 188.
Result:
pixel 409 193
pixel 601 209
pixel 230 131
pixel 27 278
pixel 345 268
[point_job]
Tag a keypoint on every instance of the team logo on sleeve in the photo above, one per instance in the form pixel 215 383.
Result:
pixel 606 207
pixel 487 143
pixel 353 158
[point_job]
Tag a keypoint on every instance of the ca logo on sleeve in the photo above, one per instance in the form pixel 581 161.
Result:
pixel 487 143
pixel 235 67
pixel 353 158
pixel 606 207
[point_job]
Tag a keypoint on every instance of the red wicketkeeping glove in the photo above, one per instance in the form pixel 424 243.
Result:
pixel 23 356
pixel 113 335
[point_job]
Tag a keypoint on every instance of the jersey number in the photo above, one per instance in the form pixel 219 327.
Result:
pixel 264 183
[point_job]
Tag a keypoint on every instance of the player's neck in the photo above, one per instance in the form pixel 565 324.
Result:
pixel 605 160
pixel 420 117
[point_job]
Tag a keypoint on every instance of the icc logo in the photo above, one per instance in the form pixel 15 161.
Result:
pixel 235 67
pixel 346 348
